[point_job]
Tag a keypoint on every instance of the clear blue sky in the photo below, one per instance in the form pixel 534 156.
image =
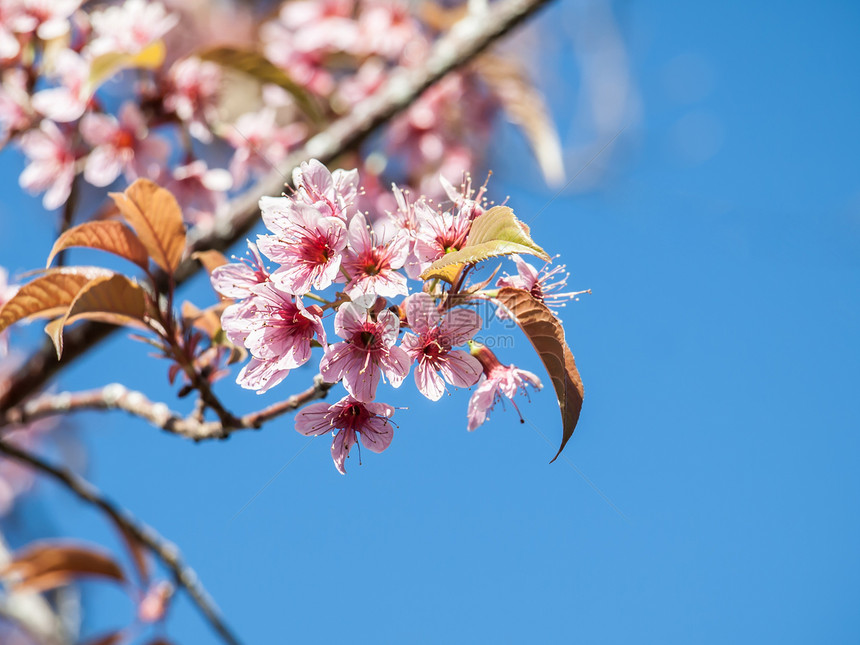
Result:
pixel 719 352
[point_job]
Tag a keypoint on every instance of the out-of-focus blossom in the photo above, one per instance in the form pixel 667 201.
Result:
pixel 15 112
pixel 121 145
pixel 366 81
pixel 52 164
pixel 306 243
pixel 366 353
pixel 192 90
pixel 260 143
pixel 499 380
pixel 305 32
pixel 432 347
pixel 6 292
pixel 199 190
pixel 545 285
pixel 130 27
pixel 153 606
pixel 49 19
pixel 387 28
pixel 346 418
pixel 67 101
pixel 9 45
pixel 372 264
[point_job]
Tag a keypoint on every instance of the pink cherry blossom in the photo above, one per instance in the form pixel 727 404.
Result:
pixel 129 27
pixel 307 244
pixel 372 263
pixel 387 28
pixel 237 279
pixel 366 353
pixel 336 190
pixel 49 19
pixel 193 86
pixel 199 190
pixel 68 101
pixel 439 233
pixel 545 285
pixel 348 417
pixel 499 380
pixel 261 375
pixel 432 347
pixel 9 45
pixel 15 112
pixel 52 164
pixel 121 145
pixel 260 143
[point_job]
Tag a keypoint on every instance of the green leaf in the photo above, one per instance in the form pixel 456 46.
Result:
pixel 494 233
pixel 547 336
pixel 260 68
pixel 49 294
pixel 105 66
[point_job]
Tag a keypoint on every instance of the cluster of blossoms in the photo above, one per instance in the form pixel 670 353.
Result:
pixel 334 256
pixel 168 119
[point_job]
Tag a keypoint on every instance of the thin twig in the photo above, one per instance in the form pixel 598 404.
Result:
pixel 118 397
pixel 169 555
pixel 467 39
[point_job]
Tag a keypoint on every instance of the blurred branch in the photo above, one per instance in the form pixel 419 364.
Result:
pixel 117 397
pixel 467 38
pixel 169 555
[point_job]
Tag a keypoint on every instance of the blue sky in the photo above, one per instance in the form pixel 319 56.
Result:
pixel 711 490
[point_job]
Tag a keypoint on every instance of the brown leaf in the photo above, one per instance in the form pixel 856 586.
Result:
pixel 50 564
pixel 110 638
pixel 547 336
pixel 113 237
pixel 525 107
pixel 48 295
pixel 156 217
pixel 112 299
pixel 210 260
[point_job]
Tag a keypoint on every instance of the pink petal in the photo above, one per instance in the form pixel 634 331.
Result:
pixel 429 383
pixel 461 369
pixel 376 435
pixel 460 325
pixel 481 403
pixel 312 420
pixel 421 312
pixel 340 448
pixel 103 166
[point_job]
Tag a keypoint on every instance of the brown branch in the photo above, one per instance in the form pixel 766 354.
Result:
pixel 467 39
pixel 169 555
pixel 118 397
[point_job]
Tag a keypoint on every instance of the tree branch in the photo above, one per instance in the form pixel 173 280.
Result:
pixel 183 575
pixel 117 397
pixel 467 39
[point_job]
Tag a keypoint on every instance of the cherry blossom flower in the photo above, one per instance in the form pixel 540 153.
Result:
pixel 545 285
pixel 366 353
pixel 348 417
pixel 372 264
pixel 199 190
pixel 336 190
pixel 387 28
pixel 49 19
pixel 432 347
pixel 6 292
pixel 237 279
pixel 68 101
pixel 439 233
pixel 15 113
pixel 130 27
pixel 406 221
pixel 9 45
pixel 307 244
pixel 121 145
pixel 261 375
pixel 52 164
pixel 192 90
pixel 260 143
pixel 499 380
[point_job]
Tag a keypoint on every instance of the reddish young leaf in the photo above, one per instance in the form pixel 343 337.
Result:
pixel 50 564
pixel 210 260
pixel 156 217
pixel 113 237
pixel 48 295
pixel 547 336
pixel 112 299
